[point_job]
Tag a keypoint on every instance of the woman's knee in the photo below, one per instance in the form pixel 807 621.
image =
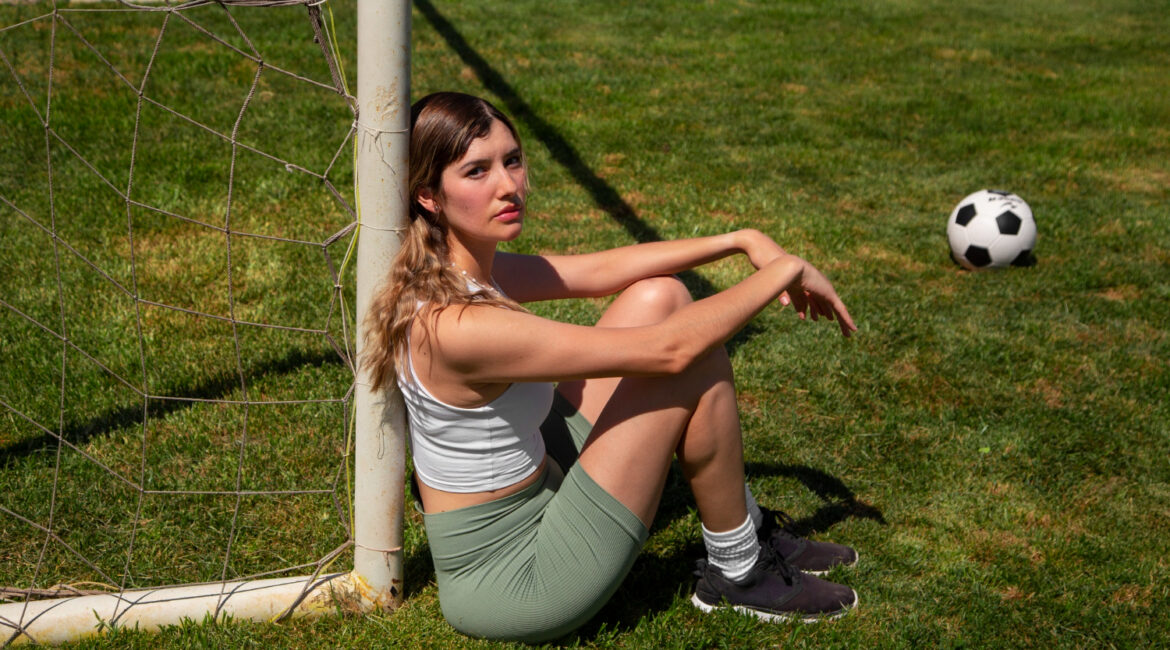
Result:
pixel 660 295
pixel 646 301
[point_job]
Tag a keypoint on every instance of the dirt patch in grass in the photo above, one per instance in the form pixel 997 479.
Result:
pixel 1123 293
pixel 749 403
pixel 1015 594
pixel 1134 596
pixel 891 258
pixel 992 547
pixel 1137 180
pixel 1051 393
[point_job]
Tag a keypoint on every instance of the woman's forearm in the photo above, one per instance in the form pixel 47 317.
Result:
pixel 610 271
pixel 696 329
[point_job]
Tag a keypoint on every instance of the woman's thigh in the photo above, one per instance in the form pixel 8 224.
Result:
pixel 536 565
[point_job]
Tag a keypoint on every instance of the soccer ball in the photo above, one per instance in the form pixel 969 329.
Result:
pixel 991 229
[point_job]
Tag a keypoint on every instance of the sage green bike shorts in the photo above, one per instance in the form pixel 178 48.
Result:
pixel 535 565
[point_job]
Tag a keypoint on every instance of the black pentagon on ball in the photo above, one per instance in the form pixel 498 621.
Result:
pixel 965 215
pixel 978 256
pixel 1009 223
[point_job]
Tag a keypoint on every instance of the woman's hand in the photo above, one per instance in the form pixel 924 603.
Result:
pixel 811 293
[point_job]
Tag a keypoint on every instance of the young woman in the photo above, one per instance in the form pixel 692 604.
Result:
pixel 537 500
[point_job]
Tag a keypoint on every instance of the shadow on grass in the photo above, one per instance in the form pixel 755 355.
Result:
pixel 218 387
pixel 603 194
pixel 418 571
pixel 838 501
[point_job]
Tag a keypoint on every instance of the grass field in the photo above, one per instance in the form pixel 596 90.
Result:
pixel 994 444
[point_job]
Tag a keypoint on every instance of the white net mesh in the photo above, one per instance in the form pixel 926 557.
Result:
pixel 176 368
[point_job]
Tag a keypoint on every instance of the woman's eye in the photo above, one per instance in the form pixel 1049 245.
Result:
pixel 514 161
pixel 475 172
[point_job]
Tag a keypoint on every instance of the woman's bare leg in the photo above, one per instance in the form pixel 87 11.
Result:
pixel 641 423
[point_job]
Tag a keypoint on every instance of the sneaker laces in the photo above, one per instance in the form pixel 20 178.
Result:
pixel 778 521
pixel 773 562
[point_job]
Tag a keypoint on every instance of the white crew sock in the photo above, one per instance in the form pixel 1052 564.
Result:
pixel 753 508
pixel 733 552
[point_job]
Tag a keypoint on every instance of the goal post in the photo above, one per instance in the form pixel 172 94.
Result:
pixel 383 142
pixel 381 135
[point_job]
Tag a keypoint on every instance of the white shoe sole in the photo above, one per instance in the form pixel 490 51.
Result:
pixel 776 617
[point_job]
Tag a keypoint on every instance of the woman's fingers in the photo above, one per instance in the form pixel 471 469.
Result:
pixel 844 319
pixel 816 298
pixel 799 300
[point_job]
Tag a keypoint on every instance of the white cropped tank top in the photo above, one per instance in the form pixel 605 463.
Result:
pixel 475 449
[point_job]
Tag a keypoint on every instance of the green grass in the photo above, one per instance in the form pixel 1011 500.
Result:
pixel 994 444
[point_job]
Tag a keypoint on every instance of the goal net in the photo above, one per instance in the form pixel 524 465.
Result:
pixel 177 317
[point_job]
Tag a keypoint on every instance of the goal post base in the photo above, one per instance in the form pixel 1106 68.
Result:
pixel 60 620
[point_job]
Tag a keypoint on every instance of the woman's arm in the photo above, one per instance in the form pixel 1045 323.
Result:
pixel 530 278
pixel 482 344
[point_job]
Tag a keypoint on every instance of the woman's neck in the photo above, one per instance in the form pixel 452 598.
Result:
pixel 476 266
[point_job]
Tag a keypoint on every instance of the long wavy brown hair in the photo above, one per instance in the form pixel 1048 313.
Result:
pixel 442 128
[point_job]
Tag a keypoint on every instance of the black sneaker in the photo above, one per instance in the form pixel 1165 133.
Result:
pixel 773 591
pixel 804 554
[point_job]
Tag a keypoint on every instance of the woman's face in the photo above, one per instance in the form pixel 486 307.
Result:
pixel 481 195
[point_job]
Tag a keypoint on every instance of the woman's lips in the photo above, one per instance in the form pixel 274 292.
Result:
pixel 511 213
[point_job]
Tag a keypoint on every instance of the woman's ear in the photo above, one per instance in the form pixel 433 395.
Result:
pixel 426 198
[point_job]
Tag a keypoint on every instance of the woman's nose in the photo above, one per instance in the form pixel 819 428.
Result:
pixel 509 184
